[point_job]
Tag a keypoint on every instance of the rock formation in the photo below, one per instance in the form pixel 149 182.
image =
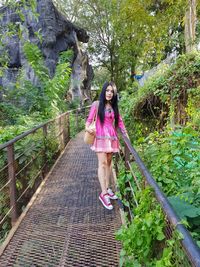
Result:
pixel 81 77
pixel 58 34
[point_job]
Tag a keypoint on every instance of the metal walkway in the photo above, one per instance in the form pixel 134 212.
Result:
pixel 67 225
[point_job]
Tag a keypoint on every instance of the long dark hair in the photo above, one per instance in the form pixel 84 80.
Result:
pixel 113 102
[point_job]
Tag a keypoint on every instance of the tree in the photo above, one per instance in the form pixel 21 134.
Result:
pixel 190 26
pixel 125 34
pixel 97 17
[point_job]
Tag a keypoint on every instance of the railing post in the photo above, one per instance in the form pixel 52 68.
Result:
pixel 44 171
pixel 116 163
pixel 128 194
pixel 64 122
pixel 12 184
pixel 60 134
pixel 68 126
pixel 127 156
pixel 77 128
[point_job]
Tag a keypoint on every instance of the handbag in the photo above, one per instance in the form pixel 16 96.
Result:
pixel 88 137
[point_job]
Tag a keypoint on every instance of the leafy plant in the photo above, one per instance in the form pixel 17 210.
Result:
pixel 139 237
pixel 189 213
pixel 170 152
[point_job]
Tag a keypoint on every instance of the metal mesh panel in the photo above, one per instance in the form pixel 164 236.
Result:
pixel 5 209
pixel 180 257
pixel 67 225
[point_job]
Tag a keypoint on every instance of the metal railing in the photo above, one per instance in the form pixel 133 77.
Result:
pixel 189 250
pixel 34 150
pixel 26 159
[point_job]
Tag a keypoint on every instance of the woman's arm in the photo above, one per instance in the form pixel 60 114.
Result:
pixel 122 126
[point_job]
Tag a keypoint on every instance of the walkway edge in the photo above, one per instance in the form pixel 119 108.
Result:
pixel 30 203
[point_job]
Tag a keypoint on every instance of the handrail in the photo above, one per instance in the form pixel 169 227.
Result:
pixel 11 170
pixel 188 243
pixel 17 138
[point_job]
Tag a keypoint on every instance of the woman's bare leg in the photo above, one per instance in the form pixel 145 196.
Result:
pixel 108 168
pixel 102 165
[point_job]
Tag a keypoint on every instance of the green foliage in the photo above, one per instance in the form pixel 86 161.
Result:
pixel 9 132
pixel 170 97
pixel 170 153
pixel 77 123
pixel 137 129
pixel 150 31
pixel 66 56
pixel 32 153
pixel 170 83
pixel 44 100
pixel 13 28
pixel 173 159
pixel 51 93
pixel 36 61
pixel 28 104
pixel 139 237
pixel 143 239
pixel 189 213
pixel 193 106
pixel 8 113
pixel 173 255
pixel 183 208
pixel 101 75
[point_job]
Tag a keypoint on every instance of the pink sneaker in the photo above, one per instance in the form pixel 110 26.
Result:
pixel 111 194
pixel 105 200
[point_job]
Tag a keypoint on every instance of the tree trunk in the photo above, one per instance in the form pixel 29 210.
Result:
pixel 190 26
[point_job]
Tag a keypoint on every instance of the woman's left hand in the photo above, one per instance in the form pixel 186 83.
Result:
pixel 89 130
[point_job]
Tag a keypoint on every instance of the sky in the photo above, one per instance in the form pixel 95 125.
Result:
pixel 2 2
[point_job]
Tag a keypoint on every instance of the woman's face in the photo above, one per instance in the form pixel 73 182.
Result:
pixel 109 93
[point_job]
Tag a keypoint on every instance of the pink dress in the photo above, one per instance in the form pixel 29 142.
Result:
pixel 106 139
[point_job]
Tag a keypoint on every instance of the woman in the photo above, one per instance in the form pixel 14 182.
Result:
pixel 106 141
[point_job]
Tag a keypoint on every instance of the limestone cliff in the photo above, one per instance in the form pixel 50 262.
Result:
pixel 58 34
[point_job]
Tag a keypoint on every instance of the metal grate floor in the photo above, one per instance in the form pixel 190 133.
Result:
pixel 67 225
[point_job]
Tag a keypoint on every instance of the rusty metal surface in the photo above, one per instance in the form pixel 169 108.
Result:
pixel 67 225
